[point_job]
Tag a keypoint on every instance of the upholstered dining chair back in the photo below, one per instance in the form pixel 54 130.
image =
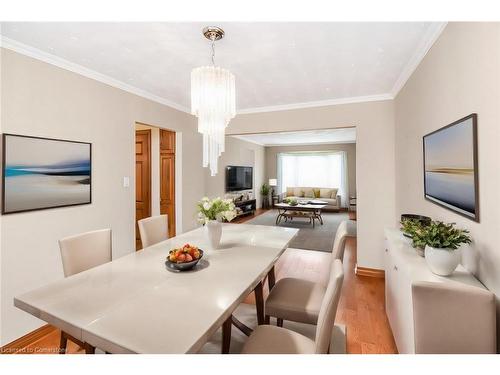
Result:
pixel 153 230
pixel 326 318
pixel 339 242
pixel 84 251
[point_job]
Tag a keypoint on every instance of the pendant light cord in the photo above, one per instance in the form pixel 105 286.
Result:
pixel 213 51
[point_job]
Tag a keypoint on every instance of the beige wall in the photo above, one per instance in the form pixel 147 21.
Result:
pixel 375 178
pixel 460 75
pixel 350 149
pixel 242 153
pixel 42 100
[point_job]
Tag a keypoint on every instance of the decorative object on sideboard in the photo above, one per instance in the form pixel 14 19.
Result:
pixel 264 191
pixel 211 213
pixel 451 167
pixel 442 243
pixel 41 173
pixel 411 223
pixel 213 102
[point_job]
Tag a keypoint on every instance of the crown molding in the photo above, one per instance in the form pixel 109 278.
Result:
pixel 427 41
pixel 35 53
pixel 320 103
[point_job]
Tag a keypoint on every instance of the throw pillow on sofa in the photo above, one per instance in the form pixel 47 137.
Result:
pixel 289 192
pixel 325 193
pixel 334 193
pixel 308 193
pixel 297 192
pixel 316 193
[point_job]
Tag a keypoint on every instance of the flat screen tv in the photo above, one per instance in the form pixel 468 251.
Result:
pixel 239 178
pixel 450 167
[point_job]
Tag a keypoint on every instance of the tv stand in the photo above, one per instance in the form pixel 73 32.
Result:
pixel 247 207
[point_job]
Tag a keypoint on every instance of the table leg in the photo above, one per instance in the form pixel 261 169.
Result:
pixel 259 303
pixel 226 335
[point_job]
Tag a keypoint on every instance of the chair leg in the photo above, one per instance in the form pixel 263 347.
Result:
pixel 279 322
pixel 63 343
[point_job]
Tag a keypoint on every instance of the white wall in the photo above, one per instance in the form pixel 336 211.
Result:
pixel 460 75
pixel 238 152
pixel 375 178
pixel 43 100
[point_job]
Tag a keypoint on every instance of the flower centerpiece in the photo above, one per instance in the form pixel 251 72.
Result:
pixel 291 201
pixel 442 245
pixel 211 213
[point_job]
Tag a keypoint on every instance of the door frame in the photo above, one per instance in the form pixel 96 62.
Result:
pixel 149 204
pixel 178 173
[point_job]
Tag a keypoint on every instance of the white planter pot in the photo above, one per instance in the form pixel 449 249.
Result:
pixel 442 262
pixel 214 233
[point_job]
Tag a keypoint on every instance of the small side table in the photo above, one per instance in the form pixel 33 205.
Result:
pixel 274 199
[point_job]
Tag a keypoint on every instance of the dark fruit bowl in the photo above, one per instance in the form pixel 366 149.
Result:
pixel 186 266
pixel 424 220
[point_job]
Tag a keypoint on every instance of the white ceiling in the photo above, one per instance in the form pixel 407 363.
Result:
pixel 308 137
pixel 277 65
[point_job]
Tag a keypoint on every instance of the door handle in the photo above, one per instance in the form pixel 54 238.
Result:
pixel 395 268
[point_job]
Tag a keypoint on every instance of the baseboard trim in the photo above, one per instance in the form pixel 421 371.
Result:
pixel 26 340
pixel 370 272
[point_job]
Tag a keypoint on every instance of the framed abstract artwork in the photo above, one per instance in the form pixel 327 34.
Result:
pixel 41 173
pixel 451 167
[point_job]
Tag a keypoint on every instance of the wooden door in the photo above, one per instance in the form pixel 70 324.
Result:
pixel 142 179
pixel 167 178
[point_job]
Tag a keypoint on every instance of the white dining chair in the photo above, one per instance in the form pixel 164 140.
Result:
pixel 153 230
pixel 80 253
pixel 300 300
pixel 267 339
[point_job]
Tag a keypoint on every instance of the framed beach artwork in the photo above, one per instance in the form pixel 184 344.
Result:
pixel 41 173
pixel 451 167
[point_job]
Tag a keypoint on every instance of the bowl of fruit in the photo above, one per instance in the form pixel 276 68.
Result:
pixel 184 258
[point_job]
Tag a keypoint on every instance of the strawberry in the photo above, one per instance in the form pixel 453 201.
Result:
pixel 181 258
pixel 189 258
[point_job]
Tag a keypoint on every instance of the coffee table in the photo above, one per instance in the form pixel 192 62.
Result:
pixel 309 211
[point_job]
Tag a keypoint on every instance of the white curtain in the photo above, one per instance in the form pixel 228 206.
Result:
pixel 314 169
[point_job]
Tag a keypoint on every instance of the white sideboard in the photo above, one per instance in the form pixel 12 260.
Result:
pixel 404 267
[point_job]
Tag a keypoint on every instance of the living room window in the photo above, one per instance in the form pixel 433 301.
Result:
pixel 313 169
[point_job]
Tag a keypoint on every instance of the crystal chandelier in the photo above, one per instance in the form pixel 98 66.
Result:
pixel 213 102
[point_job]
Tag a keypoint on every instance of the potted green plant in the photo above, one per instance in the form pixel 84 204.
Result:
pixel 212 213
pixel 409 227
pixel 264 191
pixel 442 245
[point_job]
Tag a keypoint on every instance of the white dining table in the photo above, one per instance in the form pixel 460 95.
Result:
pixel 134 304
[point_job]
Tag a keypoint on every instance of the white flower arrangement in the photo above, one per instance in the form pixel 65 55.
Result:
pixel 216 209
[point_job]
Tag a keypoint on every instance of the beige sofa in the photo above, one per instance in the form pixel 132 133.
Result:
pixel 329 195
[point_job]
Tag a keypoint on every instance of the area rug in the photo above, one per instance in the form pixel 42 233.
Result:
pixel 319 238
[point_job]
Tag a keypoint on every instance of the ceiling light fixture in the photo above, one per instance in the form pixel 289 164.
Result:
pixel 213 102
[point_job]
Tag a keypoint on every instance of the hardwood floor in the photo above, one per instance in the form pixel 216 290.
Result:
pixel 242 219
pixel 361 308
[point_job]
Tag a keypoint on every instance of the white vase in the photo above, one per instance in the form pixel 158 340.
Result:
pixel 442 262
pixel 214 233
